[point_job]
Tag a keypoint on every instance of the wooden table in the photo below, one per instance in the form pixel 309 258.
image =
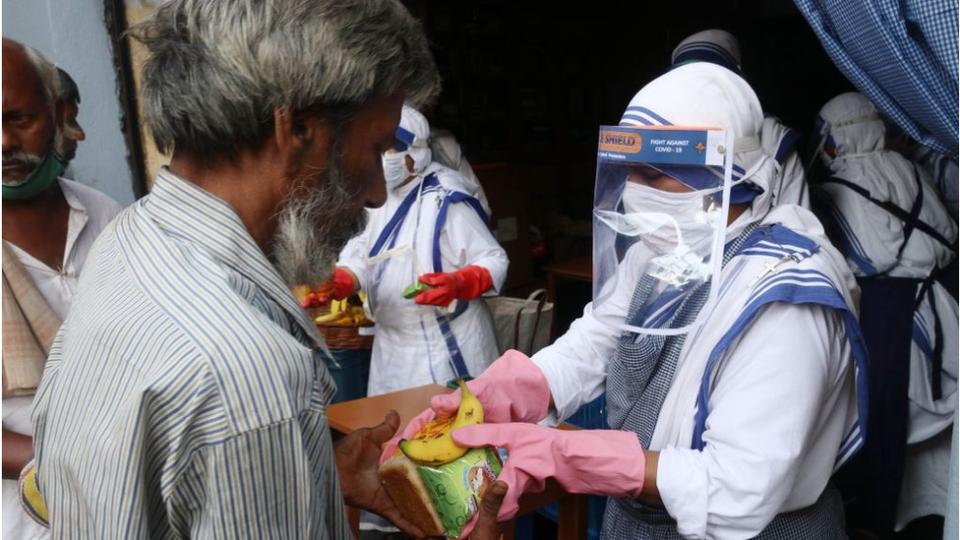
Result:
pixel 348 416
pixel 578 269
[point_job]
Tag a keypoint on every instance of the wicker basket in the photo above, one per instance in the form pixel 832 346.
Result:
pixel 341 336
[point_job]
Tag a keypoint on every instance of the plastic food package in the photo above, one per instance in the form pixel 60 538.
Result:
pixel 414 289
pixel 456 488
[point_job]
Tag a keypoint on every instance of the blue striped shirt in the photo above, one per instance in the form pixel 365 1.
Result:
pixel 184 395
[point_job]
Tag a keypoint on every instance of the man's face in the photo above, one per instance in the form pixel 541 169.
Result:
pixel 366 137
pixel 28 118
pixel 71 134
pixel 327 207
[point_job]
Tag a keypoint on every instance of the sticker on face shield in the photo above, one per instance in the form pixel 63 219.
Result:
pixel 683 146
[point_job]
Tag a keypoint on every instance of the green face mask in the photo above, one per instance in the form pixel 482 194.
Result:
pixel 40 179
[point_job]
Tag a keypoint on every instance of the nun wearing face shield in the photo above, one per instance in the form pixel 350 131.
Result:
pixel 433 235
pixel 900 241
pixel 723 331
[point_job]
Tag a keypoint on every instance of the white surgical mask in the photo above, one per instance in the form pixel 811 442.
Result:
pixel 678 228
pixel 394 168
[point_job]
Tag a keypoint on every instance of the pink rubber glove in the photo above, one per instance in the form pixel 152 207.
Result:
pixel 592 462
pixel 466 283
pixel 512 389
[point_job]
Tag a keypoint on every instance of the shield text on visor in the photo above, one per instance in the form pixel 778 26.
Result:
pixel 661 202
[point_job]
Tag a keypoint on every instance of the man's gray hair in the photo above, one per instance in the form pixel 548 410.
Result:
pixel 46 71
pixel 69 91
pixel 218 69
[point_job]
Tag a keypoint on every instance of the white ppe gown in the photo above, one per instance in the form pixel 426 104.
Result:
pixel 863 175
pixel 409 348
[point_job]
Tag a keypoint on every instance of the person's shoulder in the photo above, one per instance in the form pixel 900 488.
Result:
pixel 251 350
pixel 795 263
pixel 97 203
pixel 450 179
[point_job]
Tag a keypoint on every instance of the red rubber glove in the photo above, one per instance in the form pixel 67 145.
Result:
pixel 338 287
pixel 466 283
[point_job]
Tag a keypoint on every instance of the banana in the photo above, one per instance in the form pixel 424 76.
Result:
pixel 328 318
pixel 433 444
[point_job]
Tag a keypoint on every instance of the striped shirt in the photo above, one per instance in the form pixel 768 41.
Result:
pixel 184 395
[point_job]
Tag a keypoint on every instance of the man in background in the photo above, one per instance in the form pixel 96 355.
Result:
pixel 71 133
pixel 49 226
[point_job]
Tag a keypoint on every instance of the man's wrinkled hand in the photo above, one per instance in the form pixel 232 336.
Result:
pixel 357 456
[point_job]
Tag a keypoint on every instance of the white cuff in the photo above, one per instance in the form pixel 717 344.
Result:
pixel 682 483
pixel 563 402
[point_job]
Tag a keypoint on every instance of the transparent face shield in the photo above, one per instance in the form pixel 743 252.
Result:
pixel 661 203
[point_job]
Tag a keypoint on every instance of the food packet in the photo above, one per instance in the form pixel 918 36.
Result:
pixel 413 289
pixel 456 488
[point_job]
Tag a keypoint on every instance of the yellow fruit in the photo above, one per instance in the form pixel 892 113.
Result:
pixel 300 292
pixel 328 318
pixel 433 444
pixel 471 410
pixel 32 498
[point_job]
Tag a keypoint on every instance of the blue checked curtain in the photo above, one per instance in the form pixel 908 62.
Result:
pixel 901 54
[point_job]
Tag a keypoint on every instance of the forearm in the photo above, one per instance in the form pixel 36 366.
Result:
pixel 650 494
pixel 575 366
pixel 17 451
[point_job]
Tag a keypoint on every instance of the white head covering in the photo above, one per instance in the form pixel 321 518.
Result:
pixel 706 95
pixel 779 142
pixel 447 152
pixel 851 125
pixel 853 129
pixel 715 46
pixel 414 122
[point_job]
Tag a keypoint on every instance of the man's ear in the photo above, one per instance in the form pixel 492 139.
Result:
pixel 284 135
pixel 296 134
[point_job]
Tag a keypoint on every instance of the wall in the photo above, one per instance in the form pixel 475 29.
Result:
pixel 137 11
pixel 73 34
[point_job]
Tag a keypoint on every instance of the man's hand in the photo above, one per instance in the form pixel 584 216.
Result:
pixel 17 451
pixel 486 526
pixel 357 456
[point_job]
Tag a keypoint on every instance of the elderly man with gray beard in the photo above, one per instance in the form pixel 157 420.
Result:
pixel 185 394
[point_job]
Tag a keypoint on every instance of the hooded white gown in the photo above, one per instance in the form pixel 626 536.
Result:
pixel 873 241
pixel 409 348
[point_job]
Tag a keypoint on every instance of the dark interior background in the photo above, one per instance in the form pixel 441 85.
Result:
pixel 526 84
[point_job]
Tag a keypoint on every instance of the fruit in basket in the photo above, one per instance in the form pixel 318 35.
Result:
pixel 433 444
pixel 347 312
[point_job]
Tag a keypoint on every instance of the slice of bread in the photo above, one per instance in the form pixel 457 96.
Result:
pixel 400 478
